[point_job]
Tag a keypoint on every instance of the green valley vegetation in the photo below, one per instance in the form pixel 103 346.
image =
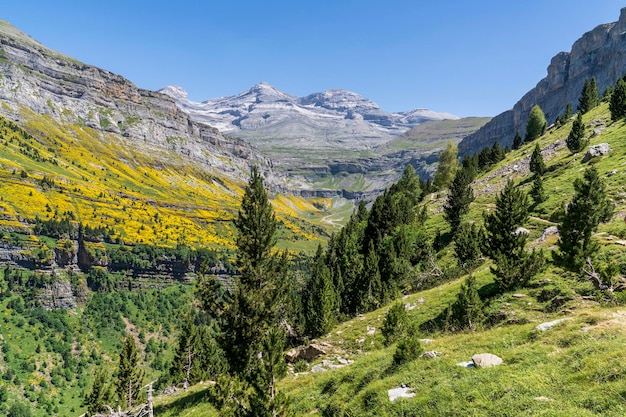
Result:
pixel 521 255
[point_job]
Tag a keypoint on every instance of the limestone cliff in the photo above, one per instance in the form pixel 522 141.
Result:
pixel 600 53
pixel 32 77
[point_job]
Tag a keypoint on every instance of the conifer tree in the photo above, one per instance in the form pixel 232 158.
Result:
pixel 537 192
pixel 536 125
pixel 576 139
pixel 506 244
pixel 448 164
pixel 261 288
pixel 517 140
pixel 197 356
pixel 459 200
pixel 265 400
pixel 395 323
pixel 468 308
pixel 100 393
pixel 589 97
pixel 468 244
pixel 320 303
pixel 129 375
pixel 536 161
pixel 510 214
pixel 617 104
pixel 589 207
pixel 372 293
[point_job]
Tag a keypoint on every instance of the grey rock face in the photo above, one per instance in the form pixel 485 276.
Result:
pixel 599 53
pixel 72 93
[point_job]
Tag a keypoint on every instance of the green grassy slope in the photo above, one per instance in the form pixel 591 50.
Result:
pixel 573 369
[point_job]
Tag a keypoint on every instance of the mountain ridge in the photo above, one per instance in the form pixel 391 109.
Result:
pixel 253 112
pixel 599 53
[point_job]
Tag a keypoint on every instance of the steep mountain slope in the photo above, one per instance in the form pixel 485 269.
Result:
pixel 70 92
pixel 91 143
pixel 599 53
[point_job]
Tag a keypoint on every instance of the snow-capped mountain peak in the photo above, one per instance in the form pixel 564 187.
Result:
pixel 333 118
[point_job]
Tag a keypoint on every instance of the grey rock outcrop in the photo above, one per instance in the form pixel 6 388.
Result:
pixel 596 150
pixel 599 53
pixel 486 360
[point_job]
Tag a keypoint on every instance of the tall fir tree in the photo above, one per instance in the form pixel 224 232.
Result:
pixel 448 165
pixel 617 103
pixel 372 291
pixel 589 207
pixel 576 139
pixel 129 374
pixel 261 288
pixel 536 161
pixel 459 199
pixel 536 125
pixel 589 96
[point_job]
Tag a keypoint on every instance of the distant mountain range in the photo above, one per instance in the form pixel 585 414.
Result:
pixel 329 120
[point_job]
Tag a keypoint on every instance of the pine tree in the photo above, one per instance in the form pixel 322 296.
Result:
pixel 256 226
pixel 468 244
pixel 468 308
pixel 185 356
pixel 100 393
pixel 459 200
pixel 576 139
pixel 372 293
pixel 395 323
pixel 265 400
pixel 505 244
pixel 510 214
pixel 589 207
pixel 261 288
pixel 129 375
pixel 537 192
pixel 517 140
pixel 448 164
pixel 536 162
pixel 617 104
pixel 589 97
pixel 536 125
pixel 320 302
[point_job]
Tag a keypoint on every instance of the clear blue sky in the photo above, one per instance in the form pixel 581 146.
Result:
pixel 471 58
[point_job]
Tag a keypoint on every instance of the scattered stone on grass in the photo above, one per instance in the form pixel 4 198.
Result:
pixel 486 360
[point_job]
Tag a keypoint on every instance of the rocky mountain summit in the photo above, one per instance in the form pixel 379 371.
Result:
pixel 329 120
pixel 34 79
pixel 599 53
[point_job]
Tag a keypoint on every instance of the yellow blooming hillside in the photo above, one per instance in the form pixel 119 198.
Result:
pixel 48 171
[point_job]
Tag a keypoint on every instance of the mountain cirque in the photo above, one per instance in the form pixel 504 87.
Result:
pixel 334 119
